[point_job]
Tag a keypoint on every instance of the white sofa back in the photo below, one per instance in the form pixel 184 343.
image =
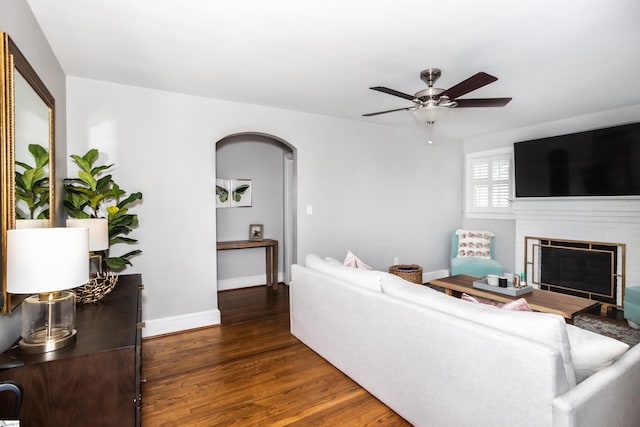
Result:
pixel 437 360
pixel 432 368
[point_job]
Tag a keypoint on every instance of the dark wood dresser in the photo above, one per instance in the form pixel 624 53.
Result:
pixel 94 381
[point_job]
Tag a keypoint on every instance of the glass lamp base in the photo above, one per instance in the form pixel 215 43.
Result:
pixel 48 322
pixel 38 342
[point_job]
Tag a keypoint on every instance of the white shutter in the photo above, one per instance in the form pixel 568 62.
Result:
pixel 480 182
pixel 500 195
pixel 481 196
pixel 489 181
pixel 500 168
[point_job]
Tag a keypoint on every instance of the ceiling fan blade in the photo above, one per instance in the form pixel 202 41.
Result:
pixel 482 102
pixel 388 111
pixel 472 83
pixel 393 92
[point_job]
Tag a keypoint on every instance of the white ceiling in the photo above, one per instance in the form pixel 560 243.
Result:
pixel 556 58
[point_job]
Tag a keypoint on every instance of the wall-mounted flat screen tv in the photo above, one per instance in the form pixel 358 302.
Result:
pixel 601 162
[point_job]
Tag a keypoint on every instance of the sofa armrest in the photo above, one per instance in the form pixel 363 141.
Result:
pixel 608 397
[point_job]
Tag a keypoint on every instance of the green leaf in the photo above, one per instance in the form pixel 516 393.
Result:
pixel 88 179
pixel 116 263
pixel 23 165
pixel 39 154
pixel 121 239
pixel 80 161
pixel 132 253
pixel 117 230
pixel 25 198
pixel 121 261
pixel 95 200
pixel 95 171
pixel 31 176
pixel 103 183
pixel 130 199
pixel 90 157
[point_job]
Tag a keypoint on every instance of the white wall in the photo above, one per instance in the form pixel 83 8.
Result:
pixel 510 252
pixel 379 191
pixel 18 21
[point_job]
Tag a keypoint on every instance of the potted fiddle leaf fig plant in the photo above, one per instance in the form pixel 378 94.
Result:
pixel 94 193
pixel 32 185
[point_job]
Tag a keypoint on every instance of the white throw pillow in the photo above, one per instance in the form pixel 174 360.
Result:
pixel 474 244
pixel 591 352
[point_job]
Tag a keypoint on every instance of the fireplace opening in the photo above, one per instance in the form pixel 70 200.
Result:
pixel 592 270
pixel 575 268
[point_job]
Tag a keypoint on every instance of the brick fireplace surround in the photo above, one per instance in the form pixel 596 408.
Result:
pixel 597 219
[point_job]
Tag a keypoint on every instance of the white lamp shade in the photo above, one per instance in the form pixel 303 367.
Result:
pixel 430 113
pixel 21 224
pixel 98 231
pixel 43 260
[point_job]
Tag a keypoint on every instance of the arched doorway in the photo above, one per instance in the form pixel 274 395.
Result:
pixel 270 163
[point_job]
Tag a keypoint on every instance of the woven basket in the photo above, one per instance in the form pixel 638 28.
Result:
pixel 409 272
pixel 96 289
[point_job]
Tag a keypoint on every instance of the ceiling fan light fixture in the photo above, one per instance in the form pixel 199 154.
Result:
pixel 429 114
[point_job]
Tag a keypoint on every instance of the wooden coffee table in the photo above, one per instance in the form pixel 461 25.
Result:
pixel 548 302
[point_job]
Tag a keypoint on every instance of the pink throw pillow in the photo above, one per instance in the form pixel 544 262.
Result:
pixel 353 261
pixel 518 305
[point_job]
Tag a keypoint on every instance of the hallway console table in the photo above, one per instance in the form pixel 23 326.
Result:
pixel 271 255
pixel 94 381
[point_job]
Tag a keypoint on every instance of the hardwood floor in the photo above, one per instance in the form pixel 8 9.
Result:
pixel 250 371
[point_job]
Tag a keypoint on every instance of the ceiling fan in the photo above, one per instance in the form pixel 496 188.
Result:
pixel 430 102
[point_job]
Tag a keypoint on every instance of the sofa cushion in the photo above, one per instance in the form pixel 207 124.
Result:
pixel 332 260
pixel 544 328
pixel 367 278
pixel 591 352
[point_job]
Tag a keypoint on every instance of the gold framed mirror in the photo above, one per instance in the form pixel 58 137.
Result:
pixel 27 175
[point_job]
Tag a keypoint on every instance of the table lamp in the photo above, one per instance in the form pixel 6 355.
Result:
pixel 47 261
pixel 98 237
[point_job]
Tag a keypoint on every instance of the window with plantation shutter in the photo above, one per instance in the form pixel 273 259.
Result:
pixel 489 182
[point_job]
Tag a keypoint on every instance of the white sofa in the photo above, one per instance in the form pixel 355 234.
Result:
pixel 440 361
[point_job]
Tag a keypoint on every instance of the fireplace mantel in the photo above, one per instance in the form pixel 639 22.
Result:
pixel 618 210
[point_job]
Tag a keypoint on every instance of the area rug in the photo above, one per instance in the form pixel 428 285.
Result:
pixel 617 329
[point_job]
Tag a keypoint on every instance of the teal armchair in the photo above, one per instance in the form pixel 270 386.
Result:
pixel 478 267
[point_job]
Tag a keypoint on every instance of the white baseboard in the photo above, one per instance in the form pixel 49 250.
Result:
pixel 167 325
pixel 244 282
pixel 433 275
